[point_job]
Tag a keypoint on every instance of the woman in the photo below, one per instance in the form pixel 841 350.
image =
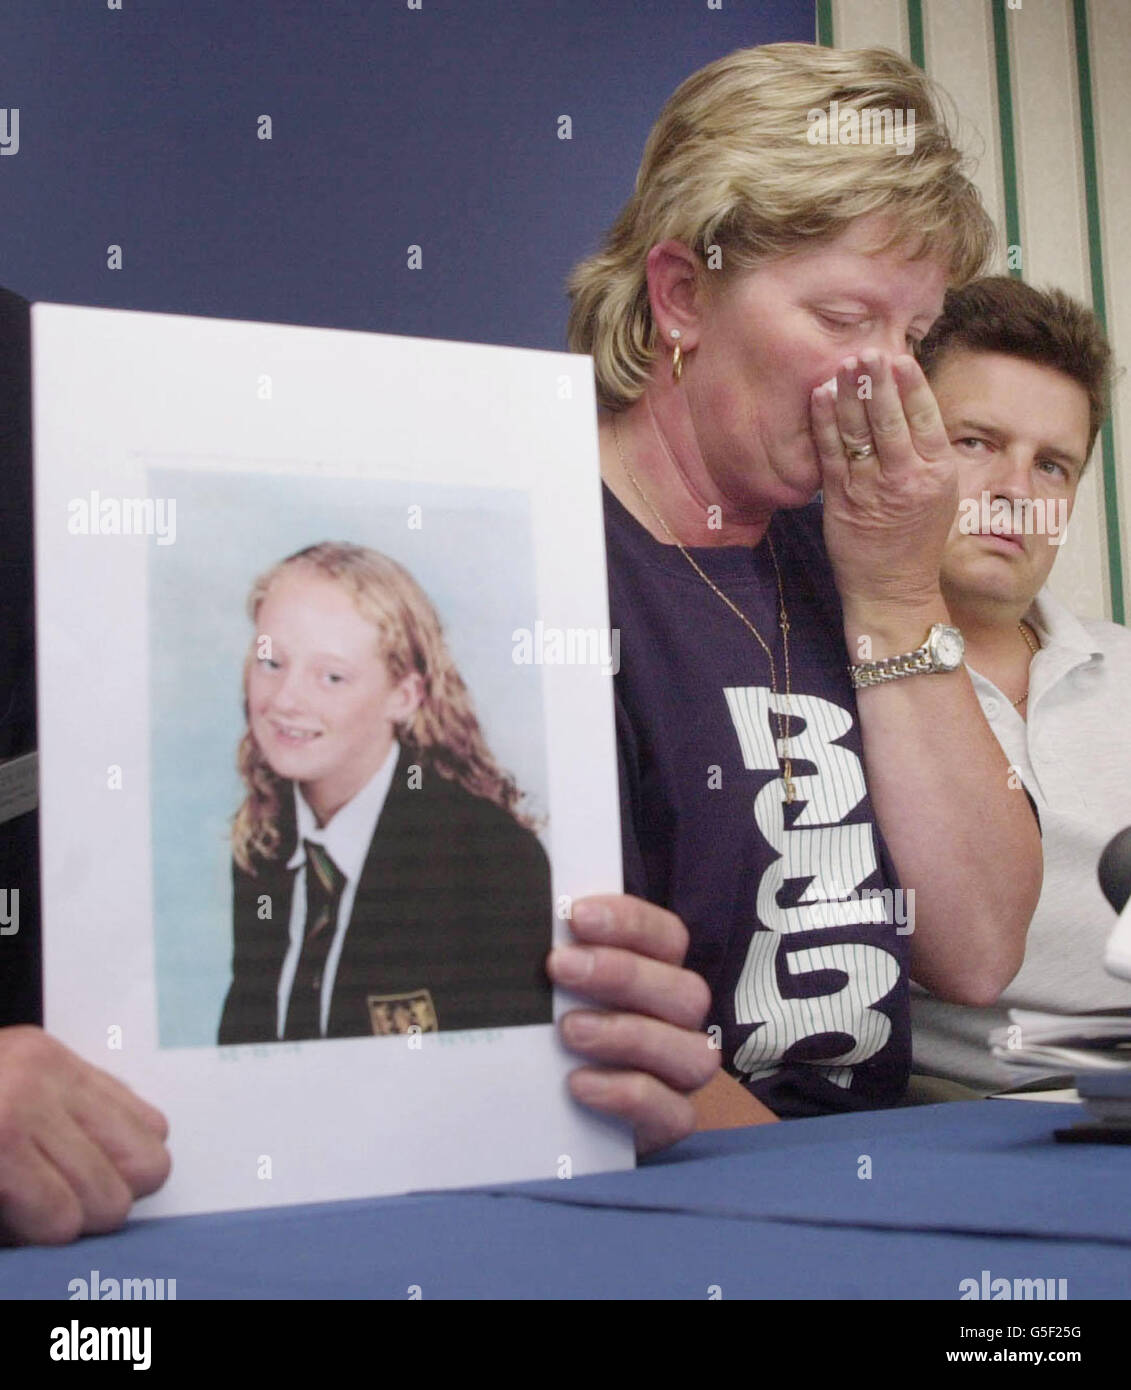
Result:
pixel 750 267
pixel 383 877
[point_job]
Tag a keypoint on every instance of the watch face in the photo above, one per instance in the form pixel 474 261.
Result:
pixel 948 648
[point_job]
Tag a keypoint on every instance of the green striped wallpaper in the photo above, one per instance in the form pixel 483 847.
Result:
pixel 1040 90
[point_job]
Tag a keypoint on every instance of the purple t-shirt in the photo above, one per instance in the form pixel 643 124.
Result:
pixel 807 968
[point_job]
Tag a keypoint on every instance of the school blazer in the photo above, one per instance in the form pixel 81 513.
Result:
pixel 450 926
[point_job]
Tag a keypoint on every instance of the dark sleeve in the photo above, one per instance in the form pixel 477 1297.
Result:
pixel 17 630
pixel 229 1031
pixel 530 930
pixel 235 1007
pixel 628 778
pixel 250 1009
pixel 487 913
pixel 20 960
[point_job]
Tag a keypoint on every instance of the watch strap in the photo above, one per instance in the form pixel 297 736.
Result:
pixel 892 668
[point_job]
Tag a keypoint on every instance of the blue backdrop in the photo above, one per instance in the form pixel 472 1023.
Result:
pixel 391 127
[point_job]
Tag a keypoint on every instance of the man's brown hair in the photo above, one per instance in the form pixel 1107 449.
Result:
pixel 1049 327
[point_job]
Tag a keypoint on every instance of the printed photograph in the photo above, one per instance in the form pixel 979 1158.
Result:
pixel 348 765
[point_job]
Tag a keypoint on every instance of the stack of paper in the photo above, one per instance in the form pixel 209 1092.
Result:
pixel 1095 1048
pixel 1065 1042
pixel 1107 1097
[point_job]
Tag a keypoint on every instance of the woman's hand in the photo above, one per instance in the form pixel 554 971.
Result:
pixel 961 838
pixel 887 515
pixel 652 1056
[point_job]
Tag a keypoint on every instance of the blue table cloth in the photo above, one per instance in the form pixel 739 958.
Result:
pixel 780 1211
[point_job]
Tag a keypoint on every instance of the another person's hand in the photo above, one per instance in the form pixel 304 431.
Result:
pixel 887 515
pixel 725 1103
pixel 651 1054
pixel 77 1147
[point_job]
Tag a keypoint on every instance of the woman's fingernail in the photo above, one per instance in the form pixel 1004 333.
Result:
pixel 594 917
pixel 582 1028
pixel 590 1086
pixel 572 965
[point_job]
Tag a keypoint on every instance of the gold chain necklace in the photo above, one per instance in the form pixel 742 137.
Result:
pixel 784 723
pixel 1034 648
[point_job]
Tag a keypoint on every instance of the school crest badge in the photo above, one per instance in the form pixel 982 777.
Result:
pixel 397 1013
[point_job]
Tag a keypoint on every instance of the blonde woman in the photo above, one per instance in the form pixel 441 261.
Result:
pixel 384 878
pixel 774 801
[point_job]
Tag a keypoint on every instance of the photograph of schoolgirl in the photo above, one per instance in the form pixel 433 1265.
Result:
pixel 370 806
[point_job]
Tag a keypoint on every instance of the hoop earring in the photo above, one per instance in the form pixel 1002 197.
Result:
pixel 677 356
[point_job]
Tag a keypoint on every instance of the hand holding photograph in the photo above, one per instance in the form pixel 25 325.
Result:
pixel 320 787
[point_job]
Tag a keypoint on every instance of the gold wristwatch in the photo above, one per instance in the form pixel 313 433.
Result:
pixel 942 651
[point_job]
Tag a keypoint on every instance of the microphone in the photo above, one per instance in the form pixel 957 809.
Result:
pixel 1115 880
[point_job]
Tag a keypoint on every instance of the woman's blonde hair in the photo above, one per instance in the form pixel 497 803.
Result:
pixel 729 165
pixel 444 729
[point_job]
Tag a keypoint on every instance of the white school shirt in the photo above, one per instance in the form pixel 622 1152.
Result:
pixel 345 838
pixel 1074 756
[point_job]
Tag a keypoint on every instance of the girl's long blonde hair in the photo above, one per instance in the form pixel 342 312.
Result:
pixel 444 730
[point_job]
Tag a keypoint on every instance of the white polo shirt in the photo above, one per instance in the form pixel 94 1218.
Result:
pixel 1074 756
pixel 346 838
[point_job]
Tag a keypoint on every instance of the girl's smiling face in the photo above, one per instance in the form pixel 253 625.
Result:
pixel 321 705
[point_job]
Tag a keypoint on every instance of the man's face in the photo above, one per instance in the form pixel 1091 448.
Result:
pixel 1020 435
pixel 771 335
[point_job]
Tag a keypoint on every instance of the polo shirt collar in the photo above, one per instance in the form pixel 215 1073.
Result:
pixel 1059 628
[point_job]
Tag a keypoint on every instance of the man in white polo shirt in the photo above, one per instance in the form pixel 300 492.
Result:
pixel 1022 379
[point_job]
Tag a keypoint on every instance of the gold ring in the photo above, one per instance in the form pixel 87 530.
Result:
pixel 866 451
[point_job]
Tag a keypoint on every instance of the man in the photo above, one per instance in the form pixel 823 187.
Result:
pixel 1022 380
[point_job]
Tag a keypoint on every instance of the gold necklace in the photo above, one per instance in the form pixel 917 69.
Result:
pixel 784 723
pixel 1034 648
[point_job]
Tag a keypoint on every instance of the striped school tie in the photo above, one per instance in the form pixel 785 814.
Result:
pixel 324 885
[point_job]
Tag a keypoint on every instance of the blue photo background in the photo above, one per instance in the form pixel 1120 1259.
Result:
pixel 230 528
